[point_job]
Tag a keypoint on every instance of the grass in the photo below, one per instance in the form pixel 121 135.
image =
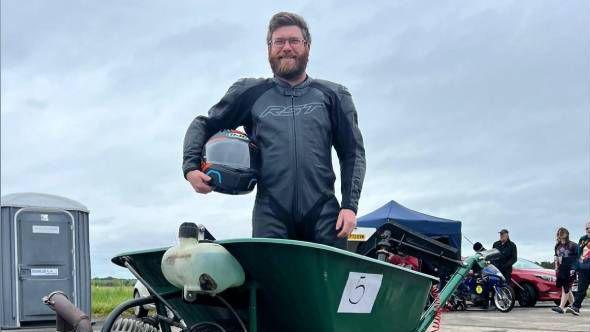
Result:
pixel 106 297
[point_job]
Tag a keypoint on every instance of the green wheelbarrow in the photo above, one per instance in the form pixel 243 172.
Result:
pixel 286 285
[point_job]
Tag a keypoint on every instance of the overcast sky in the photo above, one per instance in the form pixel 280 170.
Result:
pixel 477 111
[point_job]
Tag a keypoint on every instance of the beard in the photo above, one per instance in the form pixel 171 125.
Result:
pixel 289 65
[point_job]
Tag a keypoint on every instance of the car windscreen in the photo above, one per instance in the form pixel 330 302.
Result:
pixel 526 264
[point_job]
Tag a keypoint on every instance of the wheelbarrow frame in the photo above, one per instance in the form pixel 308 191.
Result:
pixel 163 307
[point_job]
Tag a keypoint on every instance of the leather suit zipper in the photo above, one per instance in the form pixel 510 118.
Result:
pixel 296 203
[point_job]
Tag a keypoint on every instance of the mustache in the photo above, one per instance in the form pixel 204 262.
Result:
pixel 288 70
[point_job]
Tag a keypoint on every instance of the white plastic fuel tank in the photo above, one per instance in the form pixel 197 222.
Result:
pixel 200 267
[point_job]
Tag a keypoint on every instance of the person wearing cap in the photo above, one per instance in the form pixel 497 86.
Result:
pixel 507 255
pixel 583 269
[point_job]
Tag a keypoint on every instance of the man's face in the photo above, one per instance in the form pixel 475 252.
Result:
pixel 503 237
pixel 288 60
pixel 588 228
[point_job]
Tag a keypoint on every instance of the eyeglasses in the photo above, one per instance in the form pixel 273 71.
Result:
pixel 281 42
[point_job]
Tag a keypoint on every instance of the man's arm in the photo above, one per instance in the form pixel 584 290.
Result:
pixel 226 114
pixel 349 146
pixel 513 257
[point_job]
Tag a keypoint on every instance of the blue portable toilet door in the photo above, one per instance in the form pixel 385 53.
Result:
pixel 45 256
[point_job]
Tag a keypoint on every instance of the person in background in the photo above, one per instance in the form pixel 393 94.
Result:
pixel 566 252
pixel 507 255
pixel 583 268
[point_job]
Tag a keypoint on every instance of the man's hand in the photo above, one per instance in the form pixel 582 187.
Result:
pixel 346 222
pixel 199 181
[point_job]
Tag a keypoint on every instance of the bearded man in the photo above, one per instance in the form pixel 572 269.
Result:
pixel 294 121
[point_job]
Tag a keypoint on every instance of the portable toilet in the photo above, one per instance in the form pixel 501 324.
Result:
pixel 43 248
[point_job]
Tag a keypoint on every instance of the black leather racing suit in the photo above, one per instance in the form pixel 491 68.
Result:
pixel 294 129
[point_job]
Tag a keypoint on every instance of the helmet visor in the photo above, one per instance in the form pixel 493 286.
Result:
pixel 233 153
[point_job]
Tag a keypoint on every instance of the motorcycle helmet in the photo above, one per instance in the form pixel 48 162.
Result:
pixel 478 247
pixel 229 158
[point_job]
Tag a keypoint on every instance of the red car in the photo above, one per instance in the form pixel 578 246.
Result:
pixel 533 283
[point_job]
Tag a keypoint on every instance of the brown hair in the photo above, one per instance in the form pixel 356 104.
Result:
pixel 563 230
pixel 285 19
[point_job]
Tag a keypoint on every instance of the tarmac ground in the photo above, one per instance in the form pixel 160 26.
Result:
pixel 537 319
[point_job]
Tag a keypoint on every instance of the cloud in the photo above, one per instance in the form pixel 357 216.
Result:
pixel 476 112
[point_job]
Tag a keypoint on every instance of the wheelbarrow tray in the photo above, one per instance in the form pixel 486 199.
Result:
pixel 302 286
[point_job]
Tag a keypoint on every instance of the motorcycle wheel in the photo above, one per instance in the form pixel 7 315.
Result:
pixel 504 299
pixel 461 306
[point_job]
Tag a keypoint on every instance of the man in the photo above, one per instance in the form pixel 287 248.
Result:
pixel 507 255
pixel 294 121
pixel 583 268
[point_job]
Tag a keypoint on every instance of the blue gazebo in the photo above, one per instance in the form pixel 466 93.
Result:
pixel 430 226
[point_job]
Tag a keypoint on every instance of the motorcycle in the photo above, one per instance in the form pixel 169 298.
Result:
pixel 482 287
